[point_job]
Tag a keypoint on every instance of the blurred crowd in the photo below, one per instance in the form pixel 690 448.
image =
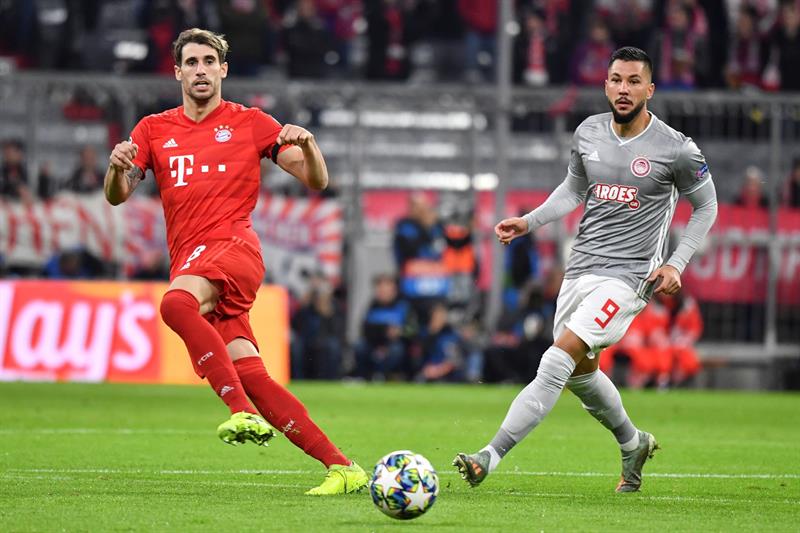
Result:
pixel 694 43
pixel 425 320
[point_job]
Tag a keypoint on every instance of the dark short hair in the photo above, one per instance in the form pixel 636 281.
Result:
pixel 198 36
pixel 383 276
pixel 631 53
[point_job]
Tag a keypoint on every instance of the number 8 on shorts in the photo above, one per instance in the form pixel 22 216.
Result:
pixel 193 256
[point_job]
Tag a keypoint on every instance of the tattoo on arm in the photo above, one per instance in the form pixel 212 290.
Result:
pixel 134 176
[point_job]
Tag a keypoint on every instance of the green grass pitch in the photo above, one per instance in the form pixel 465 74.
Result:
pixel 146 458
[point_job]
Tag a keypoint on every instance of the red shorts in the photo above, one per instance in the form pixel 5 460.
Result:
pixel 236 268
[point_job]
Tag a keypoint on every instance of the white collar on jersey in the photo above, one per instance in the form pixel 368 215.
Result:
pixel 626 141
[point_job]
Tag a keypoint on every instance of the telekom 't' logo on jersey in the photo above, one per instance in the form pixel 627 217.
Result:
pixel 181 168
pixel 624 194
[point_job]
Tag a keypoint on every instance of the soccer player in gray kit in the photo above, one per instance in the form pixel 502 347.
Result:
pixel 627 168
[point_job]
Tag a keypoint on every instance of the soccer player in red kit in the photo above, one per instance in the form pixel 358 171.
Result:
pixel 205 156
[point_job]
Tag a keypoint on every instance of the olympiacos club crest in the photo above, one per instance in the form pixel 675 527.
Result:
pixel 640 167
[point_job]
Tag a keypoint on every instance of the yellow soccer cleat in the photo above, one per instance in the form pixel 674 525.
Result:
pixel 341 479
pixel 244 426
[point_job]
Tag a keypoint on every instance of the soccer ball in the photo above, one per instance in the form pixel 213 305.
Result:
pixel 404 485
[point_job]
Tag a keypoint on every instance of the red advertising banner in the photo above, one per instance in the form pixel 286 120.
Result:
pixel 737 268
pixel 108 331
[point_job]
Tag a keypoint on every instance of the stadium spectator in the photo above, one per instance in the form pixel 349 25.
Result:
pixel 419 244
pixel 381 350
pixel 18 35
pixel 629 21
pixel 684 328
pixel 536 52
pixel 46 185
pixel 443 352
pixel 792 188
pixel 472 336
pixel 786 45
pixel 748 53
pixel 341 18
pixel 14 172
pixel 659 345
pixel 152 265
pixel 317 326
pixel 74 263
pixel 751 193
pixel 589 61
pixel 245 24
pixel 87 177
pixel 163 19
pixel 216 264
pixel 523 334
pixel 678 50
pixel 461 263
pixel 521 267
pixel 388 39
pixel 307 42
pixel 480 37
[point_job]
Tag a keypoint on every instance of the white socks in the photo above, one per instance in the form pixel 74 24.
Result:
pixel 534 401
pixel 494 457
pixel 601 399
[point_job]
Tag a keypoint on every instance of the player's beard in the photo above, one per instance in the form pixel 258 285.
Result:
pixel 620 118
pixel 202 98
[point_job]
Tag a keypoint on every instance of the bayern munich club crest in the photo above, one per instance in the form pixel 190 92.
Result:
pixel 223 134
pixel 640 167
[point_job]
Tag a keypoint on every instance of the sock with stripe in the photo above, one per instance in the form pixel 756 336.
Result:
pixel 181 312
pixel 284 411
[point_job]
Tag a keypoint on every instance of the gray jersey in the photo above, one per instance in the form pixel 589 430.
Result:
pixel 632 187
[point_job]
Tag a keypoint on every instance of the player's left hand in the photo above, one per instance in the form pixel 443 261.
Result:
pixel 670 280
pixel 291 134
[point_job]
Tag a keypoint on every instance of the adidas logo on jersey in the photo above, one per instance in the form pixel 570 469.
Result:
pixel 593 156
pixel 170 144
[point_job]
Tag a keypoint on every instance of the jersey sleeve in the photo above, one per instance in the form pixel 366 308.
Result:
pixel 691 170
pixel 140 136
pixel 265 135
pixel 575 161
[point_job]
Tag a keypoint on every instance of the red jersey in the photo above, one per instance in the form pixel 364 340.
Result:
pixel 208 172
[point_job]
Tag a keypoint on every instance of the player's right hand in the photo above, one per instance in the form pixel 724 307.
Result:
pixel 510 228
pixel 123 154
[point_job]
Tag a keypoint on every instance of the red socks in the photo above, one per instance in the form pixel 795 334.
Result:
pixel 181 312
pixel 284 411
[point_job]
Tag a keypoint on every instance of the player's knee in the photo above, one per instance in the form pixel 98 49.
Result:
pixel 175 305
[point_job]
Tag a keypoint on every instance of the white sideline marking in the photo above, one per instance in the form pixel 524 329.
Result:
pixel 651 474
pixel 311 472
pixel 98 431
pixel 19 474
pixel 192 482
pixel 572 496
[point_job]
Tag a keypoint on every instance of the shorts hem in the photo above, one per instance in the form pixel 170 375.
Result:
pixel 584 336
